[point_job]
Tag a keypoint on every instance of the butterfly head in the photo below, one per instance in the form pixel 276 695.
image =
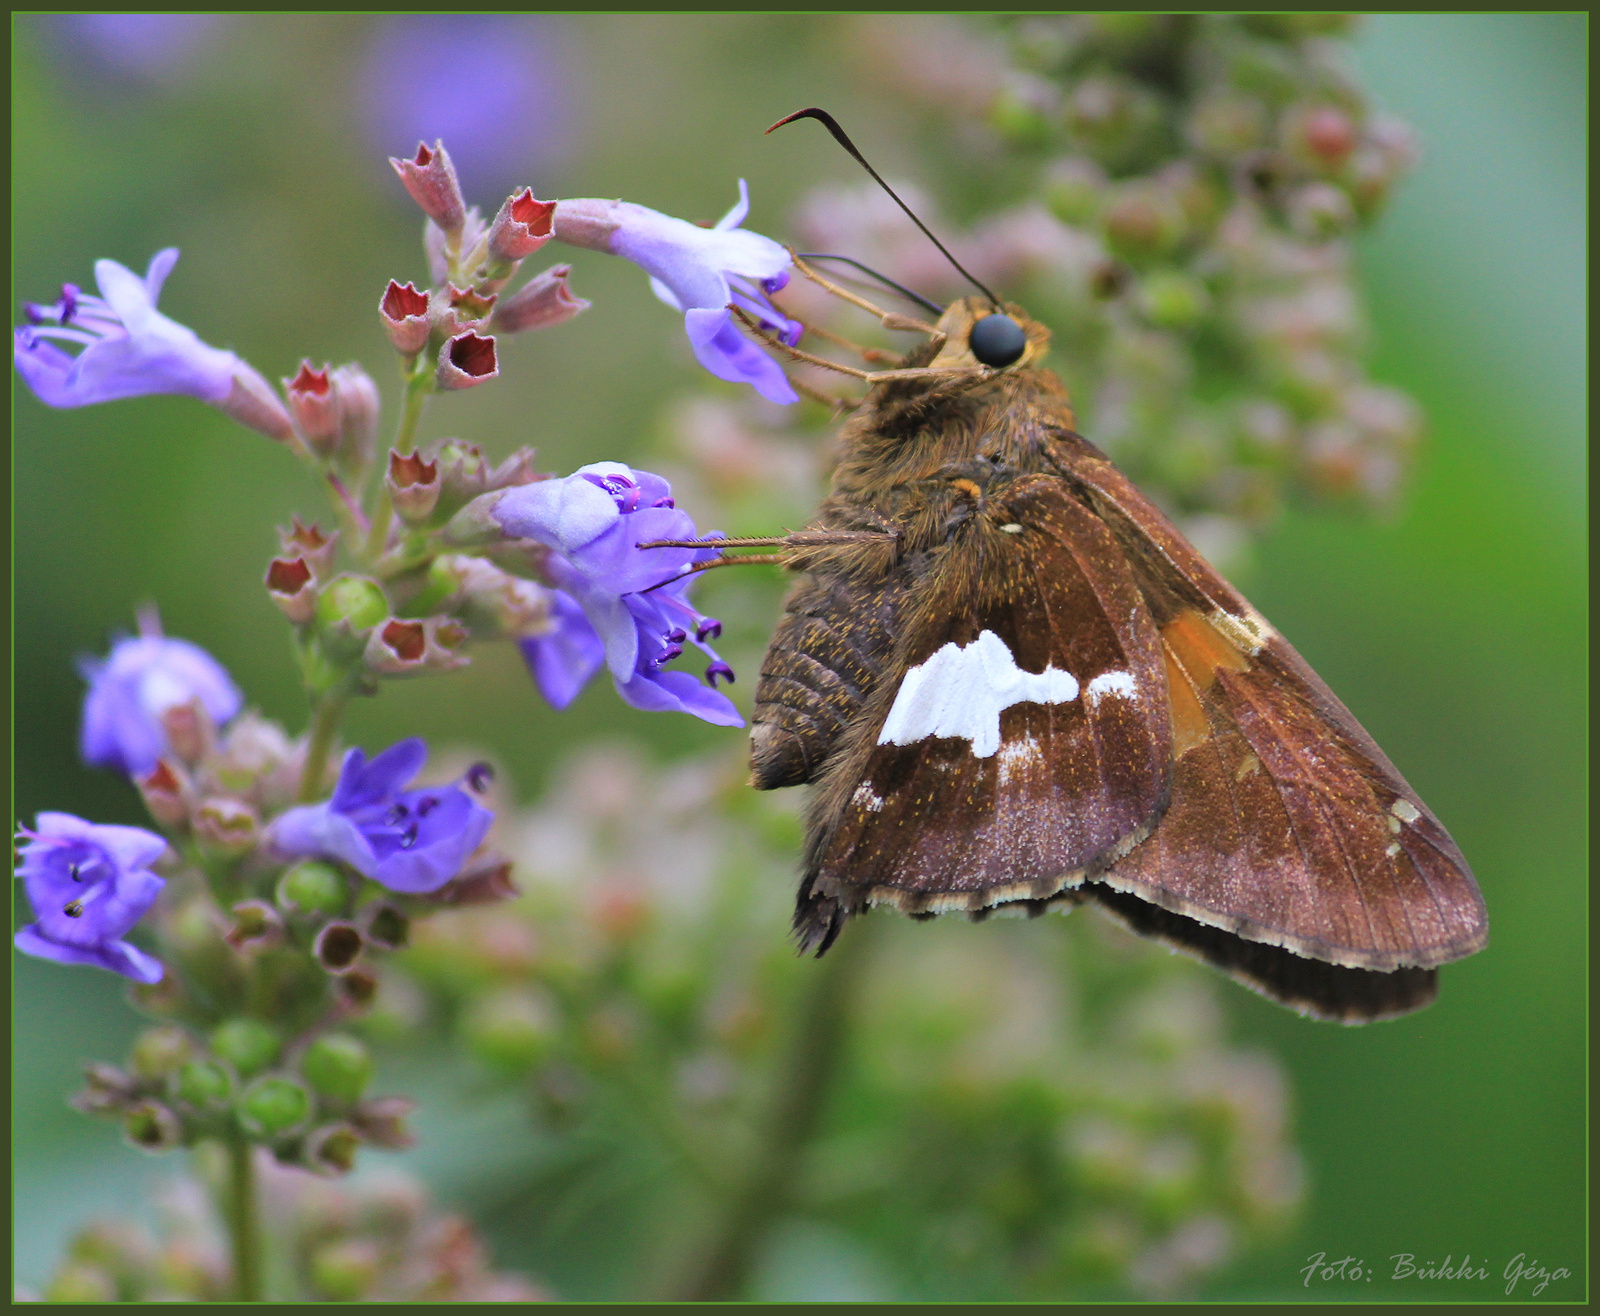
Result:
pixel 978 334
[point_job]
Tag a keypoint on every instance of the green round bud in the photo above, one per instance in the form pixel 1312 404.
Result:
pixel 511 1030
pixel 158 1051
pixel 313 886
pixel 271 1106
pixel 344 1271
pixel 338 1065
pixel 247 1044
pixel 78 1281
pixel 352 599
pixel 203 1083
pixel 1172 300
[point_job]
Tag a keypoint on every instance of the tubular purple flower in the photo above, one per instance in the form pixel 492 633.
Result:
pixel 131 691
pixel 412 841
pixel 89 884
pixel 699 272
pixel 615 601
pixel 130 349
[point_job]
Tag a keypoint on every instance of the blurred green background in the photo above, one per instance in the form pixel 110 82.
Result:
pixel 1456 632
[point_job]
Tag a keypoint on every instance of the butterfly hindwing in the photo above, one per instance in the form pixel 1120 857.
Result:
pixel 1023 735
pixel 1287 826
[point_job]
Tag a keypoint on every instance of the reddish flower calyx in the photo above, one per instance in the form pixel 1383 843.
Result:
pixel 523 225
pixel 466 360
pixel 314 406
pixel 430 178
pixel 404 312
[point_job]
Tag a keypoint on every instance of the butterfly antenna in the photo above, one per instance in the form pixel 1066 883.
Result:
pixel 839 135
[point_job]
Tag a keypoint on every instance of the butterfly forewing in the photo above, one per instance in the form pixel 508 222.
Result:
pixel 1027 737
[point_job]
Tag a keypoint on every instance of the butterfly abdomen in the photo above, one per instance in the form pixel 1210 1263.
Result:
pixel 824 660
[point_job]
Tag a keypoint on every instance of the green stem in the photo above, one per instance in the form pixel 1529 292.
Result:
pixel 324 727
pixel 244 1222
pixel 804 1078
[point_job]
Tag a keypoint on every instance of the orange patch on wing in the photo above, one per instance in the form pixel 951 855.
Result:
pixel 1194 651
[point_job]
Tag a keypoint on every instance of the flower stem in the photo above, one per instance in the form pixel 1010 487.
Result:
pixel 804 1078
pixel 324 726
pixel 244 1222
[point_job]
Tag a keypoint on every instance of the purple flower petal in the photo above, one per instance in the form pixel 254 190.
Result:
pixel 88 885
pixel 563 661
pixel 411 841
pixel 129 348
pixel 726 353
pixel 129 691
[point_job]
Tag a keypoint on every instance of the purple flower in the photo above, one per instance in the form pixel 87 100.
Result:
pixel 88 885
pixel 131 349
pixel 616 602
pixel 699 272
pixel 496 89
pixel 412 841
pixel 131 691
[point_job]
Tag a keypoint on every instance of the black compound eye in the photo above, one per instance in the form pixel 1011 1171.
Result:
pixel 997 340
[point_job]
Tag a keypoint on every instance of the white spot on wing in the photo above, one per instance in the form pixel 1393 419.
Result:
pixel 866 798
pixel 1011 528
pixel 961 690
pixel 1109 683
pixel 1405 811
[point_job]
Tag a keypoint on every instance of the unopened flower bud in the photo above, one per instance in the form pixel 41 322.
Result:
pixel 1143 223
pixel 203 1083
pixel 158 1051
pixel 315 408
pixel 255 923
pixel 338 1065
pixel 466 360
pixel 409 648
pixel 521 227
pixel 1172 300
pixel 312 887
pixel 347 611
pixel 338 946
pixel 381 1121
pixel 331 1150
pixel 189 729
pixel 252 403
pixel 151 1126
pixel 359 406
pixel 545 300
pixel 226 827
pixel 166 794
pixel 1320 211
pixel 273 1106
pixel 1321 136
pixel 1074 189
pixel 1226 125
pixel 404 312
pixel 345 1269
pixel 413 486
pixel 310 543
pixel 431 180
pixel 247 1044
pixel 290 584
pixel 387 926
pixel 512 1029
